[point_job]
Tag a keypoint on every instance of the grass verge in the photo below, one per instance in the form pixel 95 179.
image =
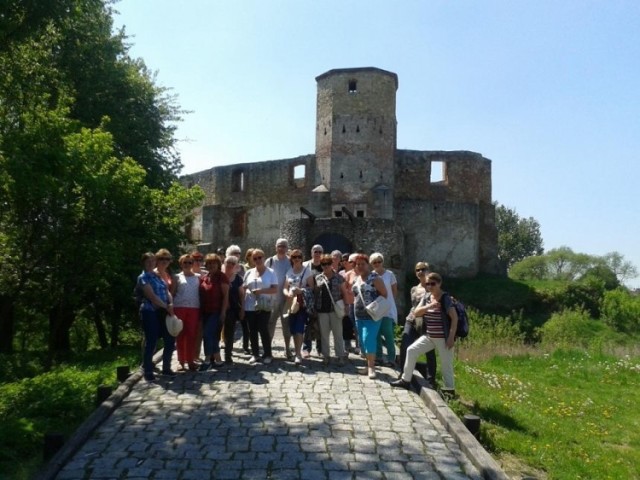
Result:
pixel 564 415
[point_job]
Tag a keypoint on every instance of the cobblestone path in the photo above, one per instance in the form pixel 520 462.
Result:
pixel 276 421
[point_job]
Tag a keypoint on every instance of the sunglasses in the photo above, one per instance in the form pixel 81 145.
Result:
pixel 187 263
pixel 317 251
pixel 431 284
pixel 422 270
pixel 257 258
pixel 293 257
pixel 164 259
pixel 376 262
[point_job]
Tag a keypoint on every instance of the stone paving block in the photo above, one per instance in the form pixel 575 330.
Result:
pixel 197 474
pixel 308 474
pixel 398 476
pixel 372 474
pixel 285 474
pixel 169 474
pixel 340 475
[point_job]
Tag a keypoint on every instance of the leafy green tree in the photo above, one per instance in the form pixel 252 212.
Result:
pixel 518 237
pixel 623 269
pixel 87 169
pixel 530 268
pixel 565 264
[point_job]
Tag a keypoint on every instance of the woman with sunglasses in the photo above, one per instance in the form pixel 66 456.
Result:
pixel 258 287
pixel 163 260
pixel 295 281
pixel 441 321
pixel 329 288
pixel 413 326
pixel 214 301
pixel 186 302
pixel 367 287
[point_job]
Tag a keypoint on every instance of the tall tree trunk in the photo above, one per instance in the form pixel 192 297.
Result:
pixel 102 332
pixel 60 321
pixel 116 318
pixel 7 322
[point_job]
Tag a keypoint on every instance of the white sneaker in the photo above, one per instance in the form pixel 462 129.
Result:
pixel 254 360
pixel 298 360
pixel 267 360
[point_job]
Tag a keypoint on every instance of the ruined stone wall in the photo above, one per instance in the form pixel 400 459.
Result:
pixel 467 176
pixel 272 179
pixel 442 233
pixel 267 195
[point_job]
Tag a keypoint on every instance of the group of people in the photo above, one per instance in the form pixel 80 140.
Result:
pixel 325 296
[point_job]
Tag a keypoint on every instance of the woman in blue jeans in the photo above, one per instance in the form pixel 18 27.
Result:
pixel 156 303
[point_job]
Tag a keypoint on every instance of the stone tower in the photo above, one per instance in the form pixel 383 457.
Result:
pixel 356 139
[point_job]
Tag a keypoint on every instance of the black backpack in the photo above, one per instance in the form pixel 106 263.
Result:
pixel 462 329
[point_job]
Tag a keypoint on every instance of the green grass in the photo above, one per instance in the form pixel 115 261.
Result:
pixel 56 401
pixel 570 414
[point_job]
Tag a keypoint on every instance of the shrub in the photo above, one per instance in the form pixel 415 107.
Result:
pixel 621 311
pixel 491 330
pixel 586 294
pixel 572 328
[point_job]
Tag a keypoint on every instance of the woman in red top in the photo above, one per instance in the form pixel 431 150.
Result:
pixel 214 301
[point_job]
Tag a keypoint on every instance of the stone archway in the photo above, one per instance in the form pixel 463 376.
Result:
pixel 334 241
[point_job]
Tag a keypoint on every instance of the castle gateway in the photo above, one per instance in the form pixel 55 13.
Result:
pixel 358 191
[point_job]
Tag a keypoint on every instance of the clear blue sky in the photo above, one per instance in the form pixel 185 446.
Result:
pixel 548 90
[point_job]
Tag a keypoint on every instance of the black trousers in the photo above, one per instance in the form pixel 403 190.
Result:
pixel 230 329
pixel 259 326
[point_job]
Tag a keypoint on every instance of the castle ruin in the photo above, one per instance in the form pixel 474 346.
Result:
pixel 358 191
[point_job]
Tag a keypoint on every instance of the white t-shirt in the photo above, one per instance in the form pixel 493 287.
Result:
pixel 299 279
pixel 254 281
pixel 187 293
pixel 389 278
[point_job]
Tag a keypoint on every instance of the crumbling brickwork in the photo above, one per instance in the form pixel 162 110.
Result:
pixel 358 191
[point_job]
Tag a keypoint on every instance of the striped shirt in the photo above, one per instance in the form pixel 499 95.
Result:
pixel 433 320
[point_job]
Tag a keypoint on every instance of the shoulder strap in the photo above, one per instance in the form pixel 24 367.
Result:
pixel 445 299
pixel 302 275
pixel 359 287
pixel 326 284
